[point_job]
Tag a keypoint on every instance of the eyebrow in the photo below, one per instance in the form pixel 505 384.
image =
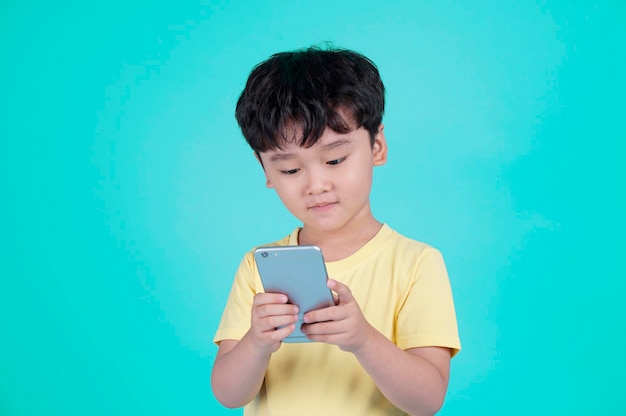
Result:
pixel 329 146
pixel 276 157
pixel 281 156
pixel 336 143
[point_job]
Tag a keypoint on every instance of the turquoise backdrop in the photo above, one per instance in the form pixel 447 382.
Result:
pixel 129 195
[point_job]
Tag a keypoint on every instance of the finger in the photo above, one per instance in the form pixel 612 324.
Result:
pixel 269 324
pixel 343 292
pixel 322 328
pixel 275 310
pixel 281 333
pixel 276 322
pixel 331 313
pixel 269 298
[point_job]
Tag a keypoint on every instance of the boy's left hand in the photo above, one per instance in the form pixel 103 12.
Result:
pixel 343 324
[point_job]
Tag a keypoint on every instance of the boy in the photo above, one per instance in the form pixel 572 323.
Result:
pixel 313 118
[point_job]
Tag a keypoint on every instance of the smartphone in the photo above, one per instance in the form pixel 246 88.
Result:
pixel 298 272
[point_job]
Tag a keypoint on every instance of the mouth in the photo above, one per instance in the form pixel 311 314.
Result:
pixel 323 207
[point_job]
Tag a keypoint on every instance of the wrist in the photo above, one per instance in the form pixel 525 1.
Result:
pixel 371 337
pixel 257 349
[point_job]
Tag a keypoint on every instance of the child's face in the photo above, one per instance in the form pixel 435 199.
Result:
pixel 327 186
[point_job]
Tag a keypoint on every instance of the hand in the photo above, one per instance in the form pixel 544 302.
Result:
pixel 269 312
pixel 343 324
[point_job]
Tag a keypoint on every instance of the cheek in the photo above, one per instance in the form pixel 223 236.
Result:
pixel 288 193
pixel 357 181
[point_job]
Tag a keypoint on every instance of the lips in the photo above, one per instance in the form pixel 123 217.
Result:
pixel 321 207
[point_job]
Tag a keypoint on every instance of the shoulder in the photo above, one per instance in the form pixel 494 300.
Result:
pixel 247 275
pixel 285 241
pixel 403 246
pixel 413 259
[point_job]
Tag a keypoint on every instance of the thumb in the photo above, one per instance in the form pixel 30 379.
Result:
pixel 343 292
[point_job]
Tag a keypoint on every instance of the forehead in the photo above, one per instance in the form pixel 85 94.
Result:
pixel 308 132
pixel 328 141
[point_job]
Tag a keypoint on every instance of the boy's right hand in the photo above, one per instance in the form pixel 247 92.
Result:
pixel 273 319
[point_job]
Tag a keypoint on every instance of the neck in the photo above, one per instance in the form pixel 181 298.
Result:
pixel 337 245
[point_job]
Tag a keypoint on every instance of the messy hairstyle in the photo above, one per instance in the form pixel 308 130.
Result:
pixel 307 91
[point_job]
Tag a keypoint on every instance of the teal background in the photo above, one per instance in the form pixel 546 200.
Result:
pixel 129 195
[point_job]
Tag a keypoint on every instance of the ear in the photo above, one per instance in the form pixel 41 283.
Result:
pixel 260 160
pixel 379 149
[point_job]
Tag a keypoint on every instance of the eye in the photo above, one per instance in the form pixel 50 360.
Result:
pixel 289 172
pixel 335 161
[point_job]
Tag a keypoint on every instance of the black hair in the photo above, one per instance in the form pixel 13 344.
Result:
pixel 310 90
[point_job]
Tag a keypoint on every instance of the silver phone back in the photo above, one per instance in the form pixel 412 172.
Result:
pixel 300 273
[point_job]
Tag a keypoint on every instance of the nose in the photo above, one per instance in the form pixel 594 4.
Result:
pixel 317 182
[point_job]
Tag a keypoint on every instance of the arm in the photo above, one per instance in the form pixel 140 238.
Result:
pixel 415 380
pixel 240 366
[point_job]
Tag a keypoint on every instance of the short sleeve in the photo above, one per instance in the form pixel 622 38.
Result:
pixel 235 320
pixel 427 317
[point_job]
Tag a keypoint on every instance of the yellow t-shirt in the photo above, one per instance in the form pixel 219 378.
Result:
pixel 403 290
